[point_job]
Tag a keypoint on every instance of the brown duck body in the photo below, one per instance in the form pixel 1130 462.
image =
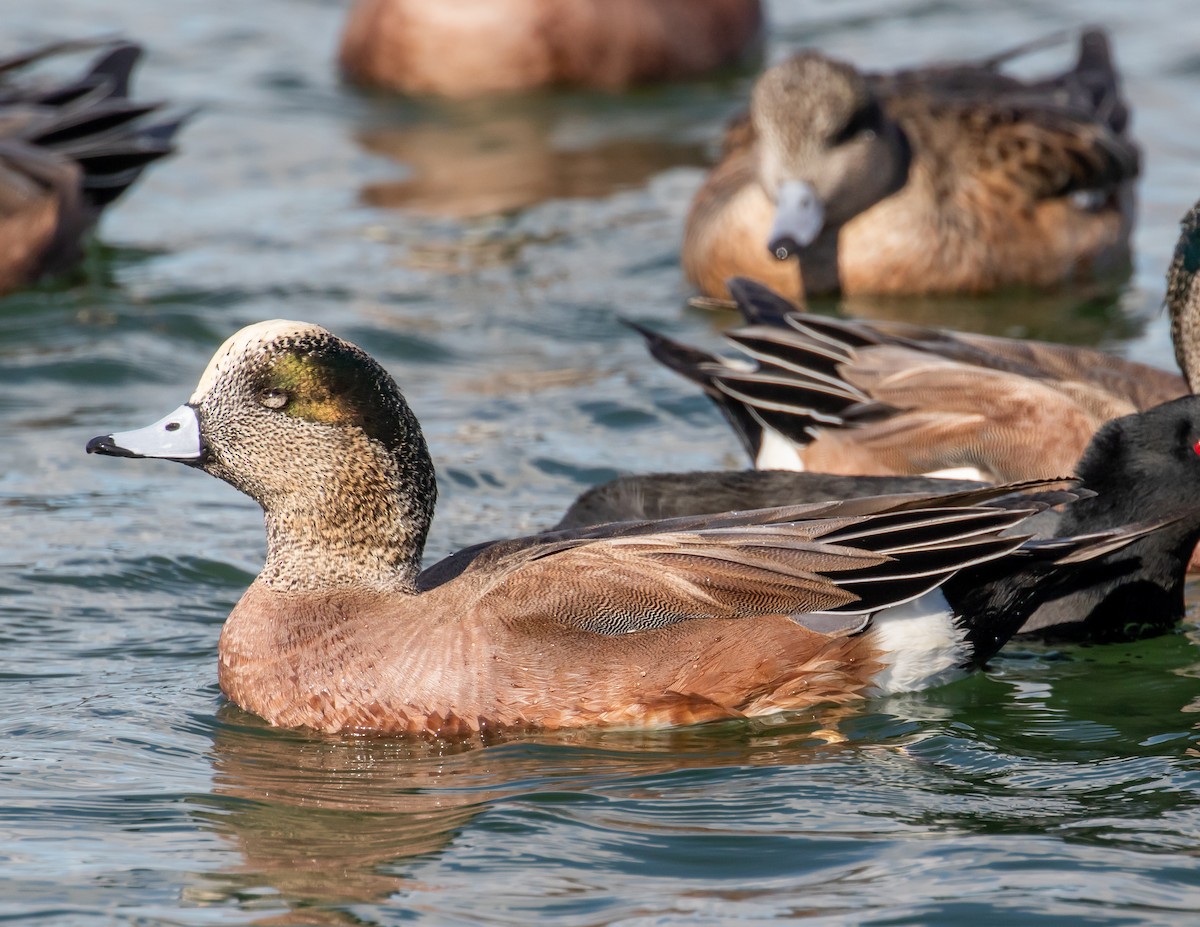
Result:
pixel 1006 184
pixel 356 661
pixel 488 46
pixel 28 231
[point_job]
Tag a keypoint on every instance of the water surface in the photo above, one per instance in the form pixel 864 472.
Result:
pixel 483 253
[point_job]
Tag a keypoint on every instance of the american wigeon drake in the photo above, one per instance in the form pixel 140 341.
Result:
pixel 950 179
pixel 474 47
pixel 67 150
pixel 1140 467
pixel 877 398
pixel 644 624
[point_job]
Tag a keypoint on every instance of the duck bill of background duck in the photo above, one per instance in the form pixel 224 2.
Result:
pixel 173 437
pixel 799 218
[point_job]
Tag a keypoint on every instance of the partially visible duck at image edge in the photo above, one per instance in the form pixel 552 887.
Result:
pixel 68 149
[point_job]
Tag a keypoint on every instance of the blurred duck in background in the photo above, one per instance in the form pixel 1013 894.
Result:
pixel 476 47
pixel 947 179
pixel 67 150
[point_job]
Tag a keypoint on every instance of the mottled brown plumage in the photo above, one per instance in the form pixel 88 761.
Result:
pixel 952 179
pixel 476 47
pixel 640 624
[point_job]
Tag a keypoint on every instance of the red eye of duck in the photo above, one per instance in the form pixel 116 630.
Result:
pixel 1196 448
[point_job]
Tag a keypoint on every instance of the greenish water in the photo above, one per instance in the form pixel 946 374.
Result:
pixel 1060 787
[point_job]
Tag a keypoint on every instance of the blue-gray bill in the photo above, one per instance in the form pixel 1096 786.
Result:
pixel 174 437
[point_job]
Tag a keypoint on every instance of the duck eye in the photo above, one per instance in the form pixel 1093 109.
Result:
pixel 863 124
pixel 1196 448
pixel 273 398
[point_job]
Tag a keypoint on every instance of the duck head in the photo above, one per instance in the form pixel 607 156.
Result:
pixel 827 150
pixel 316 431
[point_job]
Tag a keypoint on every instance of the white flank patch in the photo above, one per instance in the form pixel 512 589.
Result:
pixel 921 644
pixel 240 343
pixel 775 452
pixel 960 473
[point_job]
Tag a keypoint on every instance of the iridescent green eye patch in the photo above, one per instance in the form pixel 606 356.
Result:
pixel 333 384
pixel 319 388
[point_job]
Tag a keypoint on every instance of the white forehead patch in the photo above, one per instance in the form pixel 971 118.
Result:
pixel 250 340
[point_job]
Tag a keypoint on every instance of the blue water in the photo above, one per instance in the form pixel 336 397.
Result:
pixel 483 253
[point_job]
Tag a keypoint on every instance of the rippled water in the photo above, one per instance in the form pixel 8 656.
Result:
pixel 483 253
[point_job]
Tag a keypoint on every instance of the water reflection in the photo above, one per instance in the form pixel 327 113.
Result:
pixel 328 820
pixel 473 160
pixel 1068 750
pixel 326 824
pixel 1092 314
pixel 1097 314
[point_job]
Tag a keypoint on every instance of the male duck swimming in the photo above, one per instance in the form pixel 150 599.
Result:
pixel 635 624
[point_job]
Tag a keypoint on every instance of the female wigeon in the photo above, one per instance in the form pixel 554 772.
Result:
pixel 948 179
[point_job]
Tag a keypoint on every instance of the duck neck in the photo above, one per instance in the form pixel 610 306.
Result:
pixel 818 265
pixel 1183 299
pixel 1185 309
pixel 364 527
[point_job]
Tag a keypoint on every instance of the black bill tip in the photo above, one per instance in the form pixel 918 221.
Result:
pixel 104 444
pixel 784 247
